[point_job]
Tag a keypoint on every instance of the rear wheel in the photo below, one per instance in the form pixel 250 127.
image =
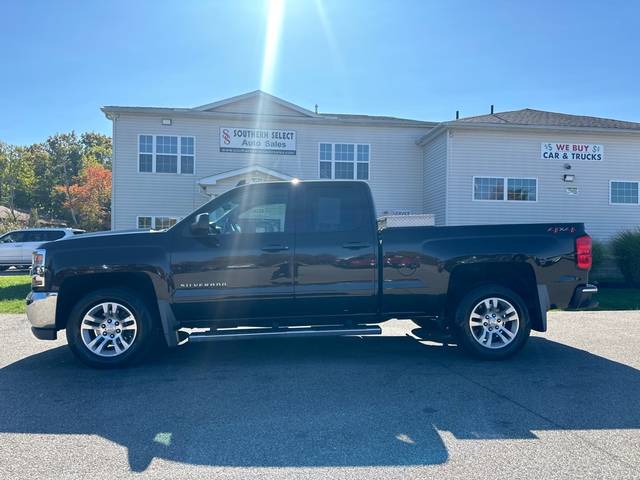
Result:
pixel 110 328
pixel 492 322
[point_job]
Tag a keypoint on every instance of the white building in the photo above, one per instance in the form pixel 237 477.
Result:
pixel 509 167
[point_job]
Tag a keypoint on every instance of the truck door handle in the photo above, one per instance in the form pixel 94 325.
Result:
pixel 356 245
pixel 275 248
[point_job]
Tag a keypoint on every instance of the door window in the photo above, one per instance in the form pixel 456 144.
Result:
pixel 332 209
pixel 13 237
pixel 251 210
pixel 34 236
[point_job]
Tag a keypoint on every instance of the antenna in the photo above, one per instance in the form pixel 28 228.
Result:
pixel 316 108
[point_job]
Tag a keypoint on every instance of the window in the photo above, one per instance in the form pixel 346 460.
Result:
pixel 623 192
pixel 332 209
pixel 164 222
pixel 363 162
pixel 325 160
pixel 494 188
pixel 145 153
pixel 44 236
pixel 186 154
pixel 166 154
pixel 255 209
pixel 344 161
pixel 13 237
pixel 264 218
pixel 145 223
pixel 488 188
pixel 522 189
pixel 156 223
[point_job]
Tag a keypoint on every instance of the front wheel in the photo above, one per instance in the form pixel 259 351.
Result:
pixel 110 328
pixel 492 322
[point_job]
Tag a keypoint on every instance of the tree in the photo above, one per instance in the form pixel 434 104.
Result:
pixel 90 197
pixel 96 148
pixel 44 196
pixel 65 151
pixel 16 177
pixel 40 177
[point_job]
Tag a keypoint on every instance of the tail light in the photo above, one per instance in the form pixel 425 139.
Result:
pixel 583 252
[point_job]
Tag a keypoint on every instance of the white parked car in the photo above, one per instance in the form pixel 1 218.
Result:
pixel 16 246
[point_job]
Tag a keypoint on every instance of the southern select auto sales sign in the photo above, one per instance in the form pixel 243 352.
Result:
pixel 571 151
pixel 257 140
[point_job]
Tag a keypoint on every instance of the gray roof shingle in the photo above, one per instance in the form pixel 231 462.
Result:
pixel 528 116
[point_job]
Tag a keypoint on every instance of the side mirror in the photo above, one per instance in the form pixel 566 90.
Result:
pixel 201 226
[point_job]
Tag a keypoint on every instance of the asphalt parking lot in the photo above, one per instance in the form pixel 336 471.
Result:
pixel 375 407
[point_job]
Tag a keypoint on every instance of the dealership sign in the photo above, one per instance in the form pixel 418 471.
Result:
pixel 571 151
pixel 257 140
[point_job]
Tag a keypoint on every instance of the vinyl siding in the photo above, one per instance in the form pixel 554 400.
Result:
pixel 435 178
pixel 396 170
pixel 517 154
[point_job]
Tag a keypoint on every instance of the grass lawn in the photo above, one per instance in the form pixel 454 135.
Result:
pixel 618 298
pixel 14 289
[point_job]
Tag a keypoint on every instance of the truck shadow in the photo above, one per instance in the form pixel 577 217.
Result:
pixel 317 402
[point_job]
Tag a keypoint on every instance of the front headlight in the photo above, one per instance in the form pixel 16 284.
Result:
pixel 37 268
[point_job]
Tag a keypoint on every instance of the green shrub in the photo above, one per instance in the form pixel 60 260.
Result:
pixel 626 250
pixel 598 253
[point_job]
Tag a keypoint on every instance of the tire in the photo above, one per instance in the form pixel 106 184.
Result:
pixel 100 331
pixel 492 322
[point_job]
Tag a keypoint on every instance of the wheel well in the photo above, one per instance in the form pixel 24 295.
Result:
pixel 74 288
pixel 518 277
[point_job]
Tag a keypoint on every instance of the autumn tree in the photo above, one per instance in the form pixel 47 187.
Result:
pixel 65 152
pixel 90 197
pixel 39 178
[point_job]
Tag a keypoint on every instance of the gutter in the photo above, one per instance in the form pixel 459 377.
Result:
pixel 511 126
pixel 322 120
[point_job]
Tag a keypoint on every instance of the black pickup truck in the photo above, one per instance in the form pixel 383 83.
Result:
pixel 303 259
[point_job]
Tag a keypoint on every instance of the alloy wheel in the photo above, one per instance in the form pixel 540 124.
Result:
pixel 494 322
pixel 108 329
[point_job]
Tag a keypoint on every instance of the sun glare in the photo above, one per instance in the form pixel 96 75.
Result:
pixel 272 40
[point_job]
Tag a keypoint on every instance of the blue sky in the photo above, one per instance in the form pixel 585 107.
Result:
pixel 62 60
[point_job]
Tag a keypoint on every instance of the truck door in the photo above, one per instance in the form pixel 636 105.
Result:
pixel 244 268
pixel 335 254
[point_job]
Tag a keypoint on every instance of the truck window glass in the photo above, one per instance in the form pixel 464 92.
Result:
pixel 332 209
pixel 254 210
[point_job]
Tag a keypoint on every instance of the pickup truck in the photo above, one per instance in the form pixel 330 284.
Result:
pixel 302 259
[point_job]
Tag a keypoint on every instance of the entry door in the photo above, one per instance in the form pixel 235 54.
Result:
pixel 335 258
pixel 245 269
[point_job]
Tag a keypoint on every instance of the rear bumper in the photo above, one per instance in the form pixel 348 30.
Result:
pixel 583 297
pixel 41 312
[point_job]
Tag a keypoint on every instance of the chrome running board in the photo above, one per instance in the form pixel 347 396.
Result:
pixel 223 334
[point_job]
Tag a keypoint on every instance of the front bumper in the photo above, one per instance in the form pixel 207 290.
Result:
pixel 583 297
pixel 41 312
